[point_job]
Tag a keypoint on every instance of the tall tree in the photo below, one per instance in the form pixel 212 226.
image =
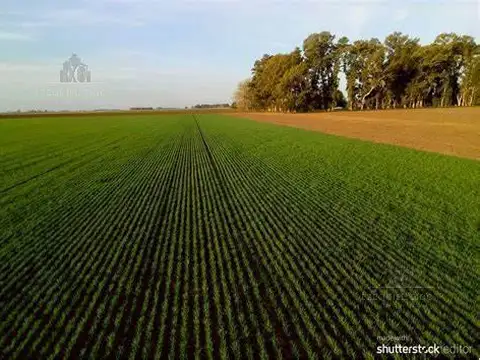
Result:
pixel 322 57
pixel 470 83
pixel 372 74
pixel 295 88
pixel 401 66
pixel 243 96
pixel 349 66
pixel 452 53
pixel 364 67
pixel 397 72
pixel 259 97
pixel 268 74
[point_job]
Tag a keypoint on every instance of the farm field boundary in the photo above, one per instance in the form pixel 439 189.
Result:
pixel 70 114
pixel 452 131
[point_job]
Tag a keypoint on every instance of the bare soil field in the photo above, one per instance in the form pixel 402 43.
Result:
pixel 452 131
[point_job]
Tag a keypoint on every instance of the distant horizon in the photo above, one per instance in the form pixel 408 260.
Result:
pixel 127 108
pixel 130 108
pixel 180 53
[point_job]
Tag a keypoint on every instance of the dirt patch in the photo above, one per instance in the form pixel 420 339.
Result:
pixel 453 131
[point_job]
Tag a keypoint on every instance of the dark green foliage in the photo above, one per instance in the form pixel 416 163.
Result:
pixel 396 73
pixel 210 106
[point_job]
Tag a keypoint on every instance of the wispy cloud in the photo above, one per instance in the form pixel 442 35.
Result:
pixel 32 24
pixel 14 36
pixel 85 17
pixel 11 13
pixel 11 67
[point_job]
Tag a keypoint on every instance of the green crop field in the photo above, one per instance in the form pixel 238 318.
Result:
pixel 203 236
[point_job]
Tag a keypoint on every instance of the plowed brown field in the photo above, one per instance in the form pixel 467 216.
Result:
pixel 453 131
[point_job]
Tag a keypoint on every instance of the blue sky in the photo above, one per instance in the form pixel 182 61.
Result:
pixel 179 53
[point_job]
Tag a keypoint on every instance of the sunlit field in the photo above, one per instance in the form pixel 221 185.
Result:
pixel 208 236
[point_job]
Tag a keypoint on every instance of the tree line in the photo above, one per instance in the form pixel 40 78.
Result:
pixel 398 72
pixel 210 106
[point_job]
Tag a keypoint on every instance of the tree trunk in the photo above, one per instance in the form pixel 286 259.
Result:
pixel 350 101
pixel 367 95
pixel 459 99
pixel 442 102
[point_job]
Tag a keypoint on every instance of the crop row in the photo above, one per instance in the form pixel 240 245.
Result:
pixel 184 238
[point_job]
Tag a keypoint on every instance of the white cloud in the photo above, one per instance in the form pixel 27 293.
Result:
pixel 85 17
pixel 11 13
pixel 14 36
pixel 13 68
pixel 33 24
